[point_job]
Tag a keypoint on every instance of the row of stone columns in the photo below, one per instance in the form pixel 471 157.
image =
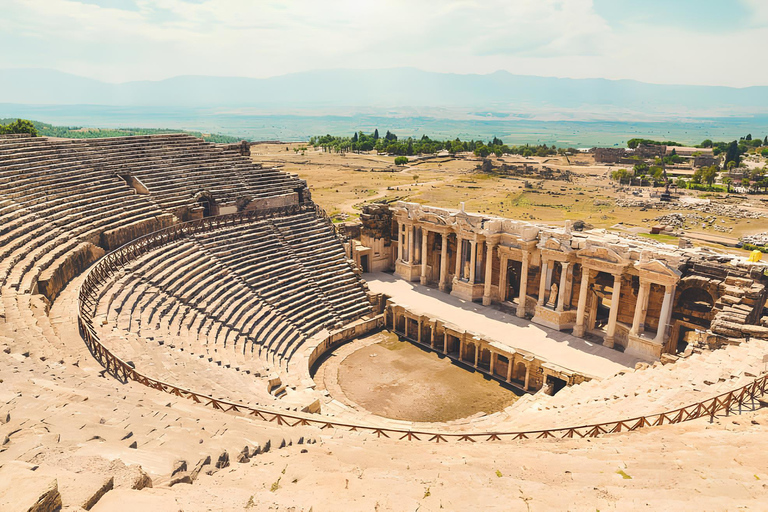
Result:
pixel 462 343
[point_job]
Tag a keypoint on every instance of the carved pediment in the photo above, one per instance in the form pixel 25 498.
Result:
pixel 469 223
pixel 657 270
pixel 554 244
pixel 599 253
pixel 433 218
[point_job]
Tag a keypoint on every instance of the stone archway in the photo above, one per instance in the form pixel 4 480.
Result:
pixel 695 300
pixel 206 201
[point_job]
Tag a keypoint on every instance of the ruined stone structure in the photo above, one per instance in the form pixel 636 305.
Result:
pixel 636 295
pixel 163 302
pixel 609 155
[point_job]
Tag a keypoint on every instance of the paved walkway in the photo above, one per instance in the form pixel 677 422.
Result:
pixel 557 347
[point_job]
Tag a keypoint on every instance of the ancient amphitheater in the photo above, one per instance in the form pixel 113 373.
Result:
pixel 168 306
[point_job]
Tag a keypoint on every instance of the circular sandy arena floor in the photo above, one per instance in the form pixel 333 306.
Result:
pixel 399 380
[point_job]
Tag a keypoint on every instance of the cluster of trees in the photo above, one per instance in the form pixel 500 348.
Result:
pixel 38 128
pixel 640 172
pixel 731 151
pixel 705 175
pixel 17 126
pixel 633 143
pixel 390 144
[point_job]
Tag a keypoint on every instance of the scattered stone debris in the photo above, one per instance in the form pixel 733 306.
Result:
pixel 722 210
pixel 688 220
pixel 759 239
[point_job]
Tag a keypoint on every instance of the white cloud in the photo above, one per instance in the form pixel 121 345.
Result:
pixel 163 38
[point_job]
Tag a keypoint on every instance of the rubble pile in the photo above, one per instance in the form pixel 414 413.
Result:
pixel 722 210
pixel 759 239
pixel 687 220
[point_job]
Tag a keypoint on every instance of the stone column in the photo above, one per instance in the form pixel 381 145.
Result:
pixel 405 325
pixel 472 261
pixel 433 335
pixel 563 284
pixel 509 368
pixel 615 299
pixel 666 308
pixel 444 263
pixel 523 286
pixel 445 342
pixel 418 336
pixel 459 256
pixel 424 238
pixel 527 375
pixel 488 273
pixel 503 269
pixel 462 346
pixel 400 230
pixel 477 352
pixel 492 363
pixel 578 329
pixel 411 232
pixel 543 282
pixel 641 308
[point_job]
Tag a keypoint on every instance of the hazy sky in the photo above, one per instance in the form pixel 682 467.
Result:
pixel 713 42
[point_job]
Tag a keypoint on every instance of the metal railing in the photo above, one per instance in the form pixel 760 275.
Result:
pixel 113 262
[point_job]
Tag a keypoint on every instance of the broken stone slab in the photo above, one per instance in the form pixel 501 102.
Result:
pixel 125 500
pixel 181 477
pixel 199 467
pixel 84 489
pixel 223 460
pixel 22 488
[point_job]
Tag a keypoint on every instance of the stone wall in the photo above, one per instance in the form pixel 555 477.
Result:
pixel 56 277
pixel 117 237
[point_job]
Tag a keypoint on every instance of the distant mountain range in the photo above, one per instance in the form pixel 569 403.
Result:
pixel 403 91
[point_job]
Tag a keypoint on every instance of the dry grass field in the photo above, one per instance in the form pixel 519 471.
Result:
pixel 342 183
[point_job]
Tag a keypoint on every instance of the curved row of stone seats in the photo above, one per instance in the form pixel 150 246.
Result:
pixel 50 206
pixel 314 243
pixel 261 259
pixel 183 292
pixel 69 422
pixel 220 372
pixel 642 392
pixel 175 168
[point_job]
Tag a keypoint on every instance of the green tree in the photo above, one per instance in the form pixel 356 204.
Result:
pixel 727 182
pixel 708 174
pixel 706 143
pixel 401 160
pixel 621 175
pixel 19 126
pixel 732 152
pixel 482 151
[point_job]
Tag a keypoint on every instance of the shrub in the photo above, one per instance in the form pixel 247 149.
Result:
pixel 401 160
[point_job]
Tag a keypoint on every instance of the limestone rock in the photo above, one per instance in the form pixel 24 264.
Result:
pixel 25 490
pixel 123 500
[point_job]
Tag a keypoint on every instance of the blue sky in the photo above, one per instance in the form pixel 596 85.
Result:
pixel 708 42
pixel 717 15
